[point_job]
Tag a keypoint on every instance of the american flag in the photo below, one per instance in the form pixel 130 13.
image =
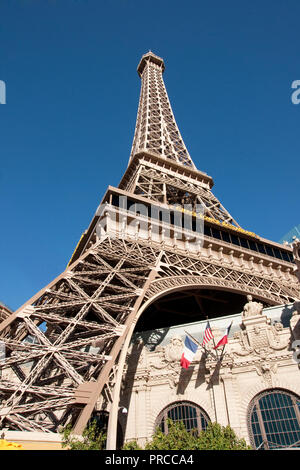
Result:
pixel 207 334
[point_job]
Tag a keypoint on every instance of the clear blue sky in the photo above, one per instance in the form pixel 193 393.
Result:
pixel 72 96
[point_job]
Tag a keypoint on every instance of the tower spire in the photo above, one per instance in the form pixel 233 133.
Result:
pixel 156 130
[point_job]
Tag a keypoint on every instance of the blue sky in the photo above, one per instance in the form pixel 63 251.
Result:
pixel 72 95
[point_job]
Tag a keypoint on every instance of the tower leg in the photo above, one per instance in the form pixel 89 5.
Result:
pixel 104 375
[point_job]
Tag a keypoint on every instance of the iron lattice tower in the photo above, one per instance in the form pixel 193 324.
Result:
pixel 63 345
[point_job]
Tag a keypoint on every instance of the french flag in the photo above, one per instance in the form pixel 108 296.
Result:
pixel 190 349
pixel 224 339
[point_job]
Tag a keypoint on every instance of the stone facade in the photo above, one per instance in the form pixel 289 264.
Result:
pixel 258 357
pixel 4 312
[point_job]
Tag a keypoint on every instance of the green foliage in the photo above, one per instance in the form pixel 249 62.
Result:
pixel 131 445
pixel 92 439
pixel 215 437
pixel 178 438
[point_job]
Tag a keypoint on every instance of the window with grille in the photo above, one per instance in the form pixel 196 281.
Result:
pixel 275 420
pixel 192 416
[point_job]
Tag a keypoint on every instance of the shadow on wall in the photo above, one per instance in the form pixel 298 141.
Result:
pixel 127 384
pixel 151 338
pixel 215 376
pixel 200 379
pixel 286 315
pixel 184 378
pixel 186 375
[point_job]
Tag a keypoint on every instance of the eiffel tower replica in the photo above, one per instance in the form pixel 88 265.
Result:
pixel 63 346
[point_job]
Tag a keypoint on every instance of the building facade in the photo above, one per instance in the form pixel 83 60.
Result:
pixel 254 387
pixel 5 311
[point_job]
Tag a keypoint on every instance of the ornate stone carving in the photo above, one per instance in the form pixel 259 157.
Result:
pixel 259 338
pixel 158 360
pixel 278 338
pixel 251 308
pixel 296 249
pixel 266 369
pixel 296 254
pixel 173 351
pixel 259 332
pixel 244 347
pixel 167 357
pixel 262 353
pixel 295 321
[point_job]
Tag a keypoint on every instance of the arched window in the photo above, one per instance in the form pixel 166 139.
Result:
pixel 192 416
pixel 274 420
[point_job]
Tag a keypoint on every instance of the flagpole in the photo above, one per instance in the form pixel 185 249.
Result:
pixel 206 350
pixel 199 344
pixel 221 357
pixel 194 339
pixel 213 338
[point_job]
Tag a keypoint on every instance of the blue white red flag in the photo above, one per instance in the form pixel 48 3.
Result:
pixel 224 339
pixel 190 349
